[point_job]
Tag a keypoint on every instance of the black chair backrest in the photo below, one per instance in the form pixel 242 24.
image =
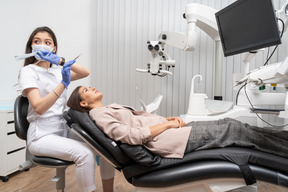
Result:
pixel 20 117
pixel 91 128
pixel 124 153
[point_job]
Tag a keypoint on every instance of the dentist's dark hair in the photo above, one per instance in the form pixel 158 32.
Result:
pixel 28 49
pixel 74 101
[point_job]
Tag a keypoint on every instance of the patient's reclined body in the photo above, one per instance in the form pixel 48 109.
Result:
pixel 170 137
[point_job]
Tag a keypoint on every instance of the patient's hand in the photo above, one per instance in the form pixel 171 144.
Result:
pixel 177 120
pixel 173 122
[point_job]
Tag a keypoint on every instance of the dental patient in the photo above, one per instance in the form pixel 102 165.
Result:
pixel 170 137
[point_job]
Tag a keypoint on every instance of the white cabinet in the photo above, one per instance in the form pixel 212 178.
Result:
pixel 12 149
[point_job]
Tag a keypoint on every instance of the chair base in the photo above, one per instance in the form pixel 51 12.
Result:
pixel 209 185
pixel 60 178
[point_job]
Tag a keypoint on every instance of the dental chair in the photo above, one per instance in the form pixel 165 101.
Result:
pixel 213 170
pixel 21 127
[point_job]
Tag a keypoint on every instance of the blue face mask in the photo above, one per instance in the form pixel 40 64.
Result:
pixel 41 47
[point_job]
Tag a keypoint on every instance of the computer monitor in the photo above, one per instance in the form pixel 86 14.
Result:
pixel 247 25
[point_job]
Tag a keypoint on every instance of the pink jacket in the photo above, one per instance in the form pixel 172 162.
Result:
pixel 123 123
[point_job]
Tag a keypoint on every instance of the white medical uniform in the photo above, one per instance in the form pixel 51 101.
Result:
pixel 48 134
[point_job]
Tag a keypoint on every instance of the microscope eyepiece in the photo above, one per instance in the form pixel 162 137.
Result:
pixel 150 47
pixel 156 47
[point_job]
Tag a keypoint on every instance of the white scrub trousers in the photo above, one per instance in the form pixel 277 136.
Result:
pixel 66 145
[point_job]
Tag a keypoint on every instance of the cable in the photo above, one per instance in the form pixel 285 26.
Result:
pixel 281 34
pixel 283 26
pixel 239 92
pixel 268 53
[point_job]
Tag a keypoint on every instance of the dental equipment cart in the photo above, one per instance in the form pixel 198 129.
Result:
pixel 12 149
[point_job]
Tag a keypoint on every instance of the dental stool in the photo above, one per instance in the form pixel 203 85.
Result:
pixel 21 127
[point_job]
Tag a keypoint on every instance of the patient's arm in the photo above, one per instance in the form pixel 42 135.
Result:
pixel 118 131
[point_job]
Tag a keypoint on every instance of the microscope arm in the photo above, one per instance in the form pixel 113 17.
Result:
pixel 196 15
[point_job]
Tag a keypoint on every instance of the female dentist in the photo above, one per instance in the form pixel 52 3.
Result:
pixel 44 83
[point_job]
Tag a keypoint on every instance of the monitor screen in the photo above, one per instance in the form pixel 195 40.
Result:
pixel 247 25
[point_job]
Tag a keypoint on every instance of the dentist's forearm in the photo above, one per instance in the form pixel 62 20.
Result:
pixel 78 72
pixel 41 105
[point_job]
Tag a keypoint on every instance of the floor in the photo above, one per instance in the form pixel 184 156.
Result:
pixel 38 179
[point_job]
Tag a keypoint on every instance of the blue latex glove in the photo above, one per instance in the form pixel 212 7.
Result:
pixel 49 56
pixel 66 75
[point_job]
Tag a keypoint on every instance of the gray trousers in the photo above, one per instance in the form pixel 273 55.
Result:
pixel 229 132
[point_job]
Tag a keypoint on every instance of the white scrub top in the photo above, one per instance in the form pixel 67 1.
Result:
pixel 33 76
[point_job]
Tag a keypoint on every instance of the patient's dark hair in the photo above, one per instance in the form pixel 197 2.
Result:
pixel 74 101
